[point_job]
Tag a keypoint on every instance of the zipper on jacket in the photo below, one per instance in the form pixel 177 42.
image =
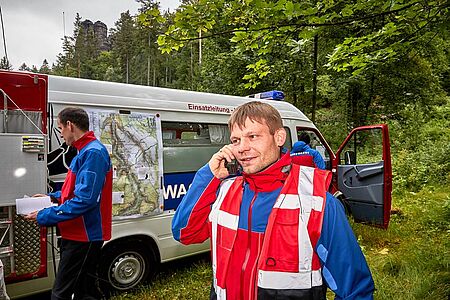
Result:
pixel 247 253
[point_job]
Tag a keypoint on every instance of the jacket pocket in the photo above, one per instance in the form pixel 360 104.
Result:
pixel 283 243
pixel 225 237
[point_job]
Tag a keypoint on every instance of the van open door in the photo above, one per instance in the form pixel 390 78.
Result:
pixel 364 174
pixel 23 148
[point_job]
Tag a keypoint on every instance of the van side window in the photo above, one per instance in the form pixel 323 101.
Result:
pixel 188 145
pixel 194 134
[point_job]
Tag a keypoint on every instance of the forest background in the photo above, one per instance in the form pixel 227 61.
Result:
pixel 344 64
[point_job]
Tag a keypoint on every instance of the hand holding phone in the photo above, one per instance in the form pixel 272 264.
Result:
pixel 219 161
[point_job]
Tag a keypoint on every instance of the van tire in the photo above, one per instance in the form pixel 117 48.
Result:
pixel 126 266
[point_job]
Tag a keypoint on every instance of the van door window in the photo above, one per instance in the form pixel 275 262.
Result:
pixel 288 143
pixel 188 146
pixel 363 148
pixel 314 141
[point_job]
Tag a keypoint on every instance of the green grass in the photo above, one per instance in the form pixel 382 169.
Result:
pixel 410 260
pixel 188 278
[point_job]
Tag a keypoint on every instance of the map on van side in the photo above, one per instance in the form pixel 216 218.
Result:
pixel 134 142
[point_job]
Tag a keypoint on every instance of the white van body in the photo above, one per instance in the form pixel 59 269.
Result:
pixel 145 241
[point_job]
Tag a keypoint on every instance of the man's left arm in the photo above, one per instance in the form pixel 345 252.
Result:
pixel 344 266
pixel 318 160
pixel 89 182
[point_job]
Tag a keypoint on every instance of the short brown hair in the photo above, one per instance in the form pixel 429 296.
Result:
pixel 256 111
pixel 76 115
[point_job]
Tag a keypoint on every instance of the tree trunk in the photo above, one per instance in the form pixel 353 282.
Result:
pixel 354 96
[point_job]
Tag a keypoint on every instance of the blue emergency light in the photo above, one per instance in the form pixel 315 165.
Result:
pixel 270 95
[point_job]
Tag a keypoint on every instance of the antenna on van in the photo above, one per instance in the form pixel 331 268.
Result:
pixel 64 25
pixel 3 32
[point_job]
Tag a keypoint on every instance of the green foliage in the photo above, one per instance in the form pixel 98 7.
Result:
pixel 410 259
pixel 45 68
pixel 384 62
pixel 380 55
pixel 71 60
pixel 392 32
pixel 222 71
pixel 134 56
pixel 380 31
pixel 332 124
pixel 420 141
pixel 184 279
pixel 123 39
pixel 24 67
pixel 5 64
pixel 105 67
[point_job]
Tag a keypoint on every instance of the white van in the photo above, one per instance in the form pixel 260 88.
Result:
pixel 157 139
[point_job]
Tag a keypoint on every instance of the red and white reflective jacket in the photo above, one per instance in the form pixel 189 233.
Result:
pixel 264 230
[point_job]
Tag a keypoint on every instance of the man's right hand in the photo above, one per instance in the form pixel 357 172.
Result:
pixel 39 195
pixel 217 162
pixel 32 216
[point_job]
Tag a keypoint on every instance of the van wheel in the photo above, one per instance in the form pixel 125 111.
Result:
pixel 124 268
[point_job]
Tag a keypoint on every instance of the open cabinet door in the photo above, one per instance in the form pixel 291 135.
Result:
pixel 23 148
pixel 364 174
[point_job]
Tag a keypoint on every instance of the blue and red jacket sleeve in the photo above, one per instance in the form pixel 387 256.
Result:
pixel 190 223
pixel 56 194
pixel 344 266
pixel 89 182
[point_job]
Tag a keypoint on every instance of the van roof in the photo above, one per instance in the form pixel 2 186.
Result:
pixel 112 94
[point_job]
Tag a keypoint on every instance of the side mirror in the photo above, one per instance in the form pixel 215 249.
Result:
pixel 350 157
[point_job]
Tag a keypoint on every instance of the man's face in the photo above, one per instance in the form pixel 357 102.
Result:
pixel 66 132
pixel 254 147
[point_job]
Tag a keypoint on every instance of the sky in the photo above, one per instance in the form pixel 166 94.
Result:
pixel 34 28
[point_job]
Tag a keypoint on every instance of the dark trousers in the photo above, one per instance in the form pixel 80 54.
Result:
pixel 77 271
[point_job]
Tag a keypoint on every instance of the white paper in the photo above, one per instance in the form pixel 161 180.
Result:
pixel 142 173
pixel 24 206
pixel 118 197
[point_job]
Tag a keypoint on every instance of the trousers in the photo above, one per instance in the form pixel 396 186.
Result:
pixel 77 271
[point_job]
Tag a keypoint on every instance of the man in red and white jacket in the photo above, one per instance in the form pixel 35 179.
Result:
pixel 275 231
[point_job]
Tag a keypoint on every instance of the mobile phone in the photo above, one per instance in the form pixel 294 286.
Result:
pixel 232 167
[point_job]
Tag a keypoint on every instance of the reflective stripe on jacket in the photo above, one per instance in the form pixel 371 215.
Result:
pixel 287 260
pixel 302 245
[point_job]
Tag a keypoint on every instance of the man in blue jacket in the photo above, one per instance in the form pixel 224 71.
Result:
pixel 84 213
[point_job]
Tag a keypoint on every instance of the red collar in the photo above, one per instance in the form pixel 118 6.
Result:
pixel 272 177
pixel 84 140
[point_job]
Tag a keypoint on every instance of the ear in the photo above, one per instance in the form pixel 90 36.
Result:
pixel 70 126
pixel 280 136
